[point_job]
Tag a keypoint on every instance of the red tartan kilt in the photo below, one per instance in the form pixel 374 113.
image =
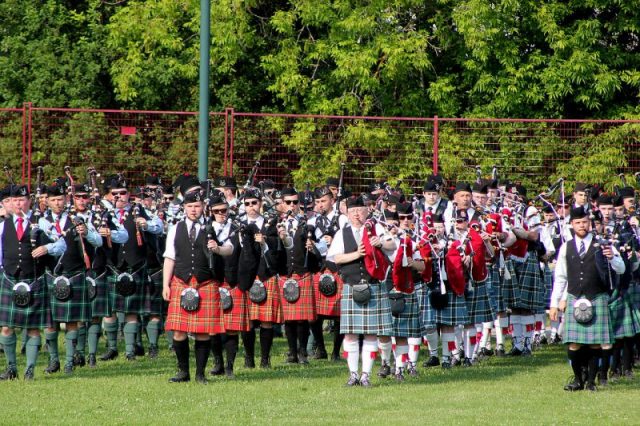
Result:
pixel 328 306
pixel 270 310
pixel 237 318
pixel 206 320
pixel 303 309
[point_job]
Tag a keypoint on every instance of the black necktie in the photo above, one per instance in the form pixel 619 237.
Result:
pixel 582 249
pixel 192 233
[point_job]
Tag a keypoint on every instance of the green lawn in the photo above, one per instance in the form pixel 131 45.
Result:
pixel 503 391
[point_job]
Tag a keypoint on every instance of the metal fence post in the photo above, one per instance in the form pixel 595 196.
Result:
pixel 232 137
pixel 435 144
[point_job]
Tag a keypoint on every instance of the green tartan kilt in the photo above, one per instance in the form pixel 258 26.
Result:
pixel 153 302
pixel 407 323
pixel 547 275
pixel 531 295
pixel 133 304
pixel 102 303
pixel 634 290
pixel 625 319
pixel 373 318
pixel 455 313
pixel 77 308
pixel 36 315
pixel 596 332
pixel 509 290
pixel 427 313
pixel 478 304
pixel 493 288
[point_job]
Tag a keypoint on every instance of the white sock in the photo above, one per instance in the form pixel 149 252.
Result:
pixel 432 341
pixel 539 324
pixel 401 356
pixel 469 336
pixel 414 348
pixel 385 351
pixel 528 324
pixel 369 352
pixel 448 345
pixel 518 331
pixel 485 340
pixel 353 354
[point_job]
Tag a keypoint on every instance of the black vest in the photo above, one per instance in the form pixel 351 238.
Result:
pixel 191 259
pixel 583 277
pixel 72 260
pixel 16 255
pixel 355 271
pixel 129 254
pixel 231 262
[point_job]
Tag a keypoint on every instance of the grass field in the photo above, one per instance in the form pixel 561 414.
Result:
pixel 498 391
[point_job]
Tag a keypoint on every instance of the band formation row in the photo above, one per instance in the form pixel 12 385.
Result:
pixel 390 272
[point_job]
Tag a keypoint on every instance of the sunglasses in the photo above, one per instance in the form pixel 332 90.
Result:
pixel 119 192
pixel 219 211
pixel 251 203
pixel 169 198
pixel 405 217
pixel 83 196
pixel 294 202
pixel 460 221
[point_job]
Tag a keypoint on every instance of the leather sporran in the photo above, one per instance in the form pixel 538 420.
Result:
pixel 583 311
pixel 398 303
pixel 361 292
pixel 291 290
pixel 258 292
pixel 22 294
pixel 190 299
pixel 61 288
pixel 226 301
pixel 125 284
pixel 327 285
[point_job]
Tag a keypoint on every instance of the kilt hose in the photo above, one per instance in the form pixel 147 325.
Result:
pixel 531 285
pixel 36 315
pixel 133 304
pixel 328 306
pixel 597 332
pixel 455 313
pixel 237 318
pixel 207 319
pixel 625 319
pixel 303 309
pixel 427 315
pixel 153 302
pixel 270 310
pixel 77 308
pixel 373 318
pixel 478 304
pixel 102 303
pixel 407 323
pixel 509 292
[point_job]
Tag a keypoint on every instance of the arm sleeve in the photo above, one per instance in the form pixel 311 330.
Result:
pixel 170 250
pixel 560 278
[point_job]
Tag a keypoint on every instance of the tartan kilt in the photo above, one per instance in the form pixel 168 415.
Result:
pixel 270 310
pixel 237 318
pixel 36 315
pixel 478 304
pixel 509 290
pixel 303 309
pixel 426 312
pixel 407 324
pixel 77 308
pixel 207 319
pixel 373 318
pixel 327 306
pixel 133 304
pixel 597 332
pixel 547 275
pixel 455 313
pixel 102 303
pixel 153 301
pixel 625 320
pixel 634 289
pixel 531 285
pixel 493 283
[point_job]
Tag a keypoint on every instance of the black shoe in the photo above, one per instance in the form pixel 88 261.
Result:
pixel 291 359
pixel 455 361
pixel 11 373
pixel 319 353
pixel 109 355
pixel 591 387
pixel 628 374
pixel 399 376
pixel 413 372
pixel 218 368
pixel 433 361
pixel 544 340
pixel 200 378
pixel 466 362
pixel 153 351
pixel 486 352
pixel 228 371
pixel 23 350
pixel 92 360
pixel 385 371
pixel 265 362
pixel 249 362
pixel 500 351
pixel 53 367
pixel 575 385
pixel 446 365
pixel 29 374
pixel 515 351
pixel 364 381
pixel 68 369
pixel 614 376
pixel 302 357
pixel 131 357
pixel 78 360
pixel 180 377
pixel 138 350
pixel 353 380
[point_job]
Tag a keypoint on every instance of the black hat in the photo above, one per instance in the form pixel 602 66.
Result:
pixel 479 188
pixel 355 202
pixel 289 191
pixel 597 216
pixel 346 194
pixel 605 200
pixel 19 191
pixel 6 192
pixel 391 198
pixel 331 181
pixel 189 182
pixel 521 190
pixel 267 184
pixel 462 187
pixel 167 190
pixel 461 214
pixel 618 202
pixel 276 194
pixel 153 179
pixel 252 193
pixel 216 198
pixel 627 192
pixel 577 213
pixel 437 218
pixel 580 187
pixel 178 180
pixel 82 187
pixel 225 182
pixel 306 197
pixel 322 191
pixel 492 184
pixel 376 186
pixel 547 209
pixel 114 182
pixel 389 215
pixel 405 208
pixel 192 197
pixel 55 190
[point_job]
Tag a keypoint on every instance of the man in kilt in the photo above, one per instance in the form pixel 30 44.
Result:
pixel 296 278
pixel 23 268
pixel 327 222
pixel 581 286
pixel 69 292
pixel 129 272
pixel 369 312
pixel 261 254
pixel 190 287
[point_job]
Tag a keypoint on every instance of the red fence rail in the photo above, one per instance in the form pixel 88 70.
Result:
pixel 294 149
